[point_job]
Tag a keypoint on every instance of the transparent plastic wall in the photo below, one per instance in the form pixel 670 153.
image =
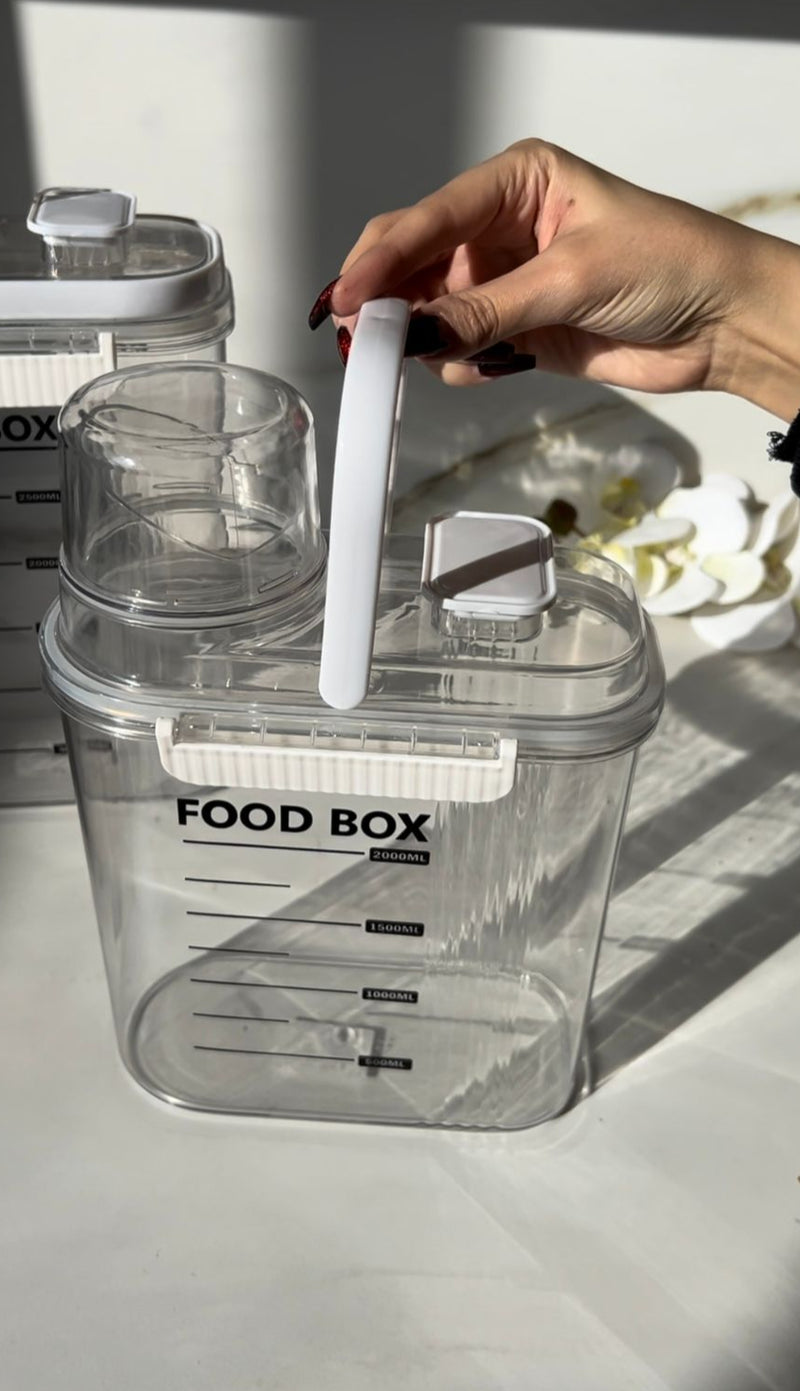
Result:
pixel 446 986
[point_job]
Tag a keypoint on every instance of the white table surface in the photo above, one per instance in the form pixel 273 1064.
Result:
pixel 647 1239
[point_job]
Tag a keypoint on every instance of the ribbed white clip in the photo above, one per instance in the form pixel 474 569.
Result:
pixel 283 767
pixel 43 379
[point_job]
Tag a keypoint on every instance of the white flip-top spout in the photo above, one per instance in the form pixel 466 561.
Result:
pixel 365 447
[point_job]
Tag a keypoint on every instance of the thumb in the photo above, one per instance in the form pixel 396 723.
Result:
pixel 542 292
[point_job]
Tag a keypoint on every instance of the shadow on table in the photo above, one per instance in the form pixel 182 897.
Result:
pixel 709 875
pixel 771 1347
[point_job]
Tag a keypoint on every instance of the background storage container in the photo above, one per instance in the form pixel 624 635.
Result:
pixel 85 284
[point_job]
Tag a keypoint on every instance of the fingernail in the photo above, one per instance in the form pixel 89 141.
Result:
pixel 343 342
pixel 427 334
pixel 520 362
pixel 499 352
pixel 321 308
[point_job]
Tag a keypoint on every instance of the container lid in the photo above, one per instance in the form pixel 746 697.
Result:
pixel 477 564
pixel 587 682
pixel 84 256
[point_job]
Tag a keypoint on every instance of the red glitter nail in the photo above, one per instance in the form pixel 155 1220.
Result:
pixel 520 362
pixel 321 308
pixel 343 341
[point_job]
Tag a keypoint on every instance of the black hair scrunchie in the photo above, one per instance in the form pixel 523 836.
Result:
pixel 786 449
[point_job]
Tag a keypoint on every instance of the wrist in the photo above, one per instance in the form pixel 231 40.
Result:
pixel 757 346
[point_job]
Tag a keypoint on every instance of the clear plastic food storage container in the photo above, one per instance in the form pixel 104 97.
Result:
pixel 85 284
pixel 384 913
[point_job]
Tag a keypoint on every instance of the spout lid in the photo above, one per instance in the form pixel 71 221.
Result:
pixel 489 565
pixel 81 214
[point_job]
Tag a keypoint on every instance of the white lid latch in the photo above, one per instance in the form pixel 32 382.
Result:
pixel 489 565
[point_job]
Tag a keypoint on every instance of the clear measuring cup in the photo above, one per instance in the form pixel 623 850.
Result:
pixel 387 912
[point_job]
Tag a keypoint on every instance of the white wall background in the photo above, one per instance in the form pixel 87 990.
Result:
pixel 199 114
pixel 287 129
pixel 211 113
pixel 707 119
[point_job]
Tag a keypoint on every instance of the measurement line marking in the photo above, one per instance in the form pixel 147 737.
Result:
pixel 34 749
pixel 28 448
pixel 10 562
pixel 252 883
pixel 256 917
pixel 254 1018
pixel 241 951
pixel 270 1053
pixel 268 985
pixel 19 628
pixel 250 845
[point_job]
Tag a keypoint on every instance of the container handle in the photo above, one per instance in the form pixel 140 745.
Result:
pixel 365 447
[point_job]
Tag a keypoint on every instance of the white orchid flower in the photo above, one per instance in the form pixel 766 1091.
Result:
pixel 712 552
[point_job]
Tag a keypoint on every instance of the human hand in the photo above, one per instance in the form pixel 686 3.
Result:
pixel 537 255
